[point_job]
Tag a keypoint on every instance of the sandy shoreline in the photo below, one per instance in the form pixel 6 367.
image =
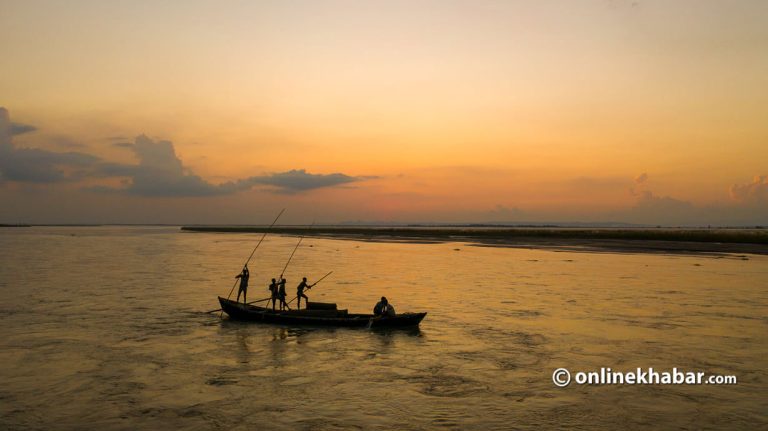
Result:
pixel 702 241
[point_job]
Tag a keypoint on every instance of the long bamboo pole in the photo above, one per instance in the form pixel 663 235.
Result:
pixel 280 279
pixel 251 255
pixel 313 285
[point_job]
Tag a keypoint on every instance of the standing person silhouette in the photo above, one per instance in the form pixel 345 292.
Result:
pixel 281 294
pixel 243 276
pixel 300 291
pixel 273 288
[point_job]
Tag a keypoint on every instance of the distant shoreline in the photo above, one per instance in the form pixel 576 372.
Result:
pixel 649 240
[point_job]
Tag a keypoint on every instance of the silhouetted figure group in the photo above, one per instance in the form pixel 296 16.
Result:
pixel 276 289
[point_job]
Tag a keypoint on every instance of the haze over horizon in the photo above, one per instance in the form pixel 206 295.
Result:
pixel 643 112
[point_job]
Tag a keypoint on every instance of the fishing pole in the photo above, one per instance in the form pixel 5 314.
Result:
pixel 254 251
pixel 263 236
pixel 280 279
pixel 293 252
pixel 321 279
pixel 313 285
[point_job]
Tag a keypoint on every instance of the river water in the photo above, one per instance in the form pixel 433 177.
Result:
pixel 105 328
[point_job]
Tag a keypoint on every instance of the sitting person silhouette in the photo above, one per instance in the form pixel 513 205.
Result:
pixel 383 308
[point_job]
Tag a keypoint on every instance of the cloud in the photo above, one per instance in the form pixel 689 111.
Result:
pixel 666 210
pixel 41 166
pixel 755 192
pixel 653 209
pixel 665 203
pixel 298 180
pixel 662 210
pixel 37 165
pixel 160 172
pixel 599 183
pixel 640 182
pixel 502 213
pixel 18 129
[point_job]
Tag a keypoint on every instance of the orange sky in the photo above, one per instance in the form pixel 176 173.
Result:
pixel 432 111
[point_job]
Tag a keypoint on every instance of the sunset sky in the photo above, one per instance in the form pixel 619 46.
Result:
pixel 652 112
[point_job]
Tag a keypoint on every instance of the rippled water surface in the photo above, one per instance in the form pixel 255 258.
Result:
pixel 105 327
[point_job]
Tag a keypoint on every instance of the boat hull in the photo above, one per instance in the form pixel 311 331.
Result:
pixel 336 318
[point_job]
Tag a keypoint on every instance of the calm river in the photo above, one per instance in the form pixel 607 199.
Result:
pixel 105 328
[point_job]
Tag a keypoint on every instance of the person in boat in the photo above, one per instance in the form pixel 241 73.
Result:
pixel 273 289
pixel 389 311
pixel 383 308
pixel 243 276
pixel 378 309
pixel 281 294
pixel 300 291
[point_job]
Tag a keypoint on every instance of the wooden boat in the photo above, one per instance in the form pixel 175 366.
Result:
pixel 317 314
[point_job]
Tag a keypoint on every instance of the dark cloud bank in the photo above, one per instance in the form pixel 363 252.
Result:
pixel 159 172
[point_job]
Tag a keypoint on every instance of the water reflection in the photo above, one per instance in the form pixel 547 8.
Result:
pixel 243 348
pixel 390 332
pixel 127 348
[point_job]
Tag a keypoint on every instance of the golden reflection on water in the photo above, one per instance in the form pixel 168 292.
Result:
pixel 106 328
